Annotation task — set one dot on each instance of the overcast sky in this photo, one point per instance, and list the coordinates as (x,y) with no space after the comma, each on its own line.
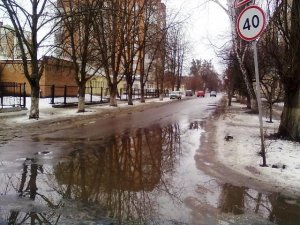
(206,23)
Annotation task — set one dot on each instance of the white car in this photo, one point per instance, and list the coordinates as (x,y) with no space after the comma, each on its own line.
(213,93)
(175,95)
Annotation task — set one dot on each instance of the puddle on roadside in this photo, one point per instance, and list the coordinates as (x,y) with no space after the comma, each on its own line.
(139,176)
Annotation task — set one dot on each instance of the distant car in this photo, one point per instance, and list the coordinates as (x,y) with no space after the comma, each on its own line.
(188,93)
(213,93)
(124,96)
(200,94)
(175,95)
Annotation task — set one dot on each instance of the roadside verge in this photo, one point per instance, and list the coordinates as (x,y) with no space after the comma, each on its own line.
(233,153)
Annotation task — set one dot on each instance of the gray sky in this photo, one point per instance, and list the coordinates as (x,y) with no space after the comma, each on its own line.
(207,23)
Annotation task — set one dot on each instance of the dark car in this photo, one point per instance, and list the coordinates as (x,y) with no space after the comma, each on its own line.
(188,93)
(200,94)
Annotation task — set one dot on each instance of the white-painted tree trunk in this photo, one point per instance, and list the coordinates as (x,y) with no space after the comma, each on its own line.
(34,108)
(113,100)
(81,104)
(81,98)
(34,112)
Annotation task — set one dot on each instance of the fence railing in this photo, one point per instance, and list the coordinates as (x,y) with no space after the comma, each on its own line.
(68,94)
(136,94)
(12,94)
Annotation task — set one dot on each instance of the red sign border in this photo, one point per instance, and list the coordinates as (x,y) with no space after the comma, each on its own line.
(239,4)
(238,22)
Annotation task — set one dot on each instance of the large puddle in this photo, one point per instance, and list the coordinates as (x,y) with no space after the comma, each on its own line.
(138,176)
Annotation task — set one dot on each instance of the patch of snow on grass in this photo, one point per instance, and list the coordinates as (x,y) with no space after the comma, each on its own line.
(242,152)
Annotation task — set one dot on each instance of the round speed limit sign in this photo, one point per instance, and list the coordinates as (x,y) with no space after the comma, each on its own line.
(251,23)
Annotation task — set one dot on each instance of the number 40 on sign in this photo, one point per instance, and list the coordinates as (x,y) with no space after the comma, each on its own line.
(251,23)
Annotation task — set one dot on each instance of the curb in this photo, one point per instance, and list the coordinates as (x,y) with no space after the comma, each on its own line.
(5,115)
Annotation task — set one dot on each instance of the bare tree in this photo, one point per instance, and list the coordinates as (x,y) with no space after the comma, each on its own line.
(32,17)
(203,76)
(151,42)
(196,81)
(175,55)
(240,49)
(233,79)
(287,20)
(272,87)
(210,76)
(77,42)
(109,28)
(133,16)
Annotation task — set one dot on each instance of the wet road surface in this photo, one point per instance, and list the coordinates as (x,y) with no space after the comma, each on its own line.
(137,168)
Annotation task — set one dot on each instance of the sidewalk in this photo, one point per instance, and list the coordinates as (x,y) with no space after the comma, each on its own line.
(47,112)
(240,152)
(10,114)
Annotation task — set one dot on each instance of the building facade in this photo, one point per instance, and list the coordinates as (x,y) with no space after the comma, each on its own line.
(9,47)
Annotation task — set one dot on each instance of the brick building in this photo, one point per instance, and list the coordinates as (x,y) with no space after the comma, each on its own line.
(56,72)
(9,48)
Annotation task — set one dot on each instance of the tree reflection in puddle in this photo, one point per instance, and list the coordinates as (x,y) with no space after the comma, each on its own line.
(120,178)
(272,206)
(125,175)
(126,178)
(28,206)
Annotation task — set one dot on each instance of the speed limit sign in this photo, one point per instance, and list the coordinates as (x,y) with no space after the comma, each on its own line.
(251,23)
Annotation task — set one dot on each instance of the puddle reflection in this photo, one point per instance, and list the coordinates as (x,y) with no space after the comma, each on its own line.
(126,178)
(232,199)
(196,125)
(272,206)
(122,177)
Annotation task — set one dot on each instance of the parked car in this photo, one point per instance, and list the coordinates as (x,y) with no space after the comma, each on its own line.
(124,96)
(213,93)
(175,95)
(188,93)
(200,94)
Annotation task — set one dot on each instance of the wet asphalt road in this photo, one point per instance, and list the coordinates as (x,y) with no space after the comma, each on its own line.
(133,168)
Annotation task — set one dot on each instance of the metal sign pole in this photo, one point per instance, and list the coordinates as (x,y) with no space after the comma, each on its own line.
(263,152)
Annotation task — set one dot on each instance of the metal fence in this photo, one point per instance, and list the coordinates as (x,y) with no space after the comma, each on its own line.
(68,94)
(12,94)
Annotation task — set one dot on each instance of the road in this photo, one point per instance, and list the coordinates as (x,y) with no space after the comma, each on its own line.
(138,167)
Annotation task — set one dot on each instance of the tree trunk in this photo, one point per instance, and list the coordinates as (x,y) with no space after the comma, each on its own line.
(143,94)
(271,112)
(253,104)
(113,94)
(229,97)
(290,117)
(252,101)
(129,95)
(161,92)
(32,187)
(34,108)
(81,98)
